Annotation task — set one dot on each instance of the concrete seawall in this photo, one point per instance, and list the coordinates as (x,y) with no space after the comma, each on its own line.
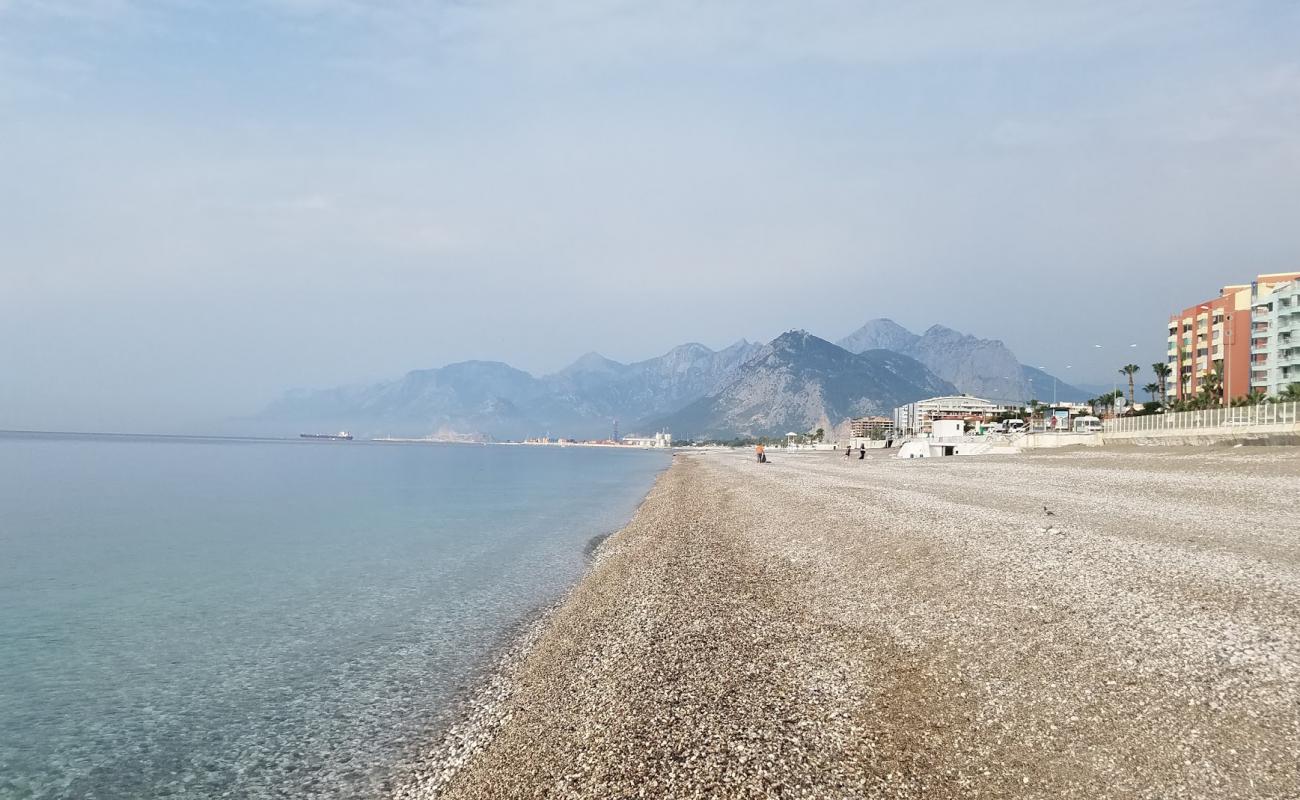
(1206,439)
(1277,423)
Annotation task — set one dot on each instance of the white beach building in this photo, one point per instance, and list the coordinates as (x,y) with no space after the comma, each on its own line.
(660,439)
(916,419)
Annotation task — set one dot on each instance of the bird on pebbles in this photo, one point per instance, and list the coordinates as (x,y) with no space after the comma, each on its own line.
(1050,528)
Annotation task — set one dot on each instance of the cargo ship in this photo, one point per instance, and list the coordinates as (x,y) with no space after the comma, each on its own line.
(341,436)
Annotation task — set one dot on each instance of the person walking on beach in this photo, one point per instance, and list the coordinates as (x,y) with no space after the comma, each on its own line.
(862,451)
(762,456)
(848,450)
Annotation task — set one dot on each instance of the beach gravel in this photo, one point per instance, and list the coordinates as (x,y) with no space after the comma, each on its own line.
(1091,624)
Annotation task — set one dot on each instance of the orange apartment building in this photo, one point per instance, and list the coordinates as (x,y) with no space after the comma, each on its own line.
(1232,332)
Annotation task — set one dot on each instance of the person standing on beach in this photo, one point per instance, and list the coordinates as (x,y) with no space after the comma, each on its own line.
(758,451)
(862,451)
(848,450)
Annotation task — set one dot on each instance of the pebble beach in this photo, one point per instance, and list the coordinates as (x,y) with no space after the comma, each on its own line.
(1090,623)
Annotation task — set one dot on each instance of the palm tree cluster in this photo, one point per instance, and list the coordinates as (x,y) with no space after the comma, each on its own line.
(1105,401)
(1209,392)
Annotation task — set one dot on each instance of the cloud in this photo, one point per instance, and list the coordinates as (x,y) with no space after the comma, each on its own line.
(69,10)
(845,31)
(310,177)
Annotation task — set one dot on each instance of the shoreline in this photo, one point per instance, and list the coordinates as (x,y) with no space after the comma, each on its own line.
(475,715)
(825,628)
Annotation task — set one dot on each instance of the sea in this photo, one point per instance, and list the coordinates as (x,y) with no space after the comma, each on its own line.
(187,617)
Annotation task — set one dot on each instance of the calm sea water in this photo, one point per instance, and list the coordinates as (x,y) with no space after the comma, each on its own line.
(268,619)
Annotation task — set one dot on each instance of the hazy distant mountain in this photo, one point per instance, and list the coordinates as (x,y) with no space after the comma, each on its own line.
(981,367)
(1041,387)
(879,334)
(632,392)
(800,382)
(1090,390)
(797,382)
(492,398)
(469,397)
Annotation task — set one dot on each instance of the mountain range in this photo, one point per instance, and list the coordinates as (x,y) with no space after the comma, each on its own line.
(982,367)
(797,382)
(800,382)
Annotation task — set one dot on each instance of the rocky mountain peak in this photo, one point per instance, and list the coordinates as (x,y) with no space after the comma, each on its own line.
(879,334)
(799,382)
(592,362)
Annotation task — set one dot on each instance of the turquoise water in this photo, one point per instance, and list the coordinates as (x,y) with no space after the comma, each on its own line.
(268,619)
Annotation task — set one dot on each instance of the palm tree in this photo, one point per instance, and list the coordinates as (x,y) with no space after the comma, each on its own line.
(1162,370)
(1211,394)
(1033,410)
(1248,399)
(1152,389)
(1130,370)
(1290,394)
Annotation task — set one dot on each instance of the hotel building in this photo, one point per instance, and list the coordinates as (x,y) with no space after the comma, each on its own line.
(917,418)
(1233,332)
(1275,363)
(865,427)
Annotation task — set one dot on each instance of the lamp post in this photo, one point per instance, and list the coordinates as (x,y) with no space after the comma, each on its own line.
(1113,388)
(1056,428)
(1227,351)
(1114,382)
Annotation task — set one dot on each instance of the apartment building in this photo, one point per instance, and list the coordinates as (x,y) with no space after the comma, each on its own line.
(1232,332)
(869,427)
(1275,350)
(917,418)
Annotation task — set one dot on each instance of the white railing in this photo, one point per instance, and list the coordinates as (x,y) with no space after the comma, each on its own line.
(1238,420)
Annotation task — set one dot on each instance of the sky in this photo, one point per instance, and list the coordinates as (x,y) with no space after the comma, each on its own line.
(204,203)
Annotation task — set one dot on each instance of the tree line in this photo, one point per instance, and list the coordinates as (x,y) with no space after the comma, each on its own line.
(1209,392)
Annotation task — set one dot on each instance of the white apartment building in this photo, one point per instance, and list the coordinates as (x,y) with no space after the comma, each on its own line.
(1275,348)
(1236,333)
(865,427)
(660,439)
(917,418)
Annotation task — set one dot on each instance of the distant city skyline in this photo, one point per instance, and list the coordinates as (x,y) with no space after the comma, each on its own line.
(211,203)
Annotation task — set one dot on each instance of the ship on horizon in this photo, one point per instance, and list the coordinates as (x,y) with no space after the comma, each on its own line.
(341,436)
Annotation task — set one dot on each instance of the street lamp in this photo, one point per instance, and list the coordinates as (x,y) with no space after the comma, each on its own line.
(1044,369)
(1114,387)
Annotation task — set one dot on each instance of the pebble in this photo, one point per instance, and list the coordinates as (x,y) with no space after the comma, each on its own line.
(884,628)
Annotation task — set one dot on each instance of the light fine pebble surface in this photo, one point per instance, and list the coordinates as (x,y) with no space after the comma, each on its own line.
(1108,623)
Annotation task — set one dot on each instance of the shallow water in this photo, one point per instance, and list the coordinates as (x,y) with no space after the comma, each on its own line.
(268,619)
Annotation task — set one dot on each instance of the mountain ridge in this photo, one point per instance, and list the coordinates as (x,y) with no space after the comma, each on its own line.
(796,381)
(800,382)
(982,367)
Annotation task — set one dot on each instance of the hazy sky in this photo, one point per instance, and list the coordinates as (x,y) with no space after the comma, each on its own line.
(205,202)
